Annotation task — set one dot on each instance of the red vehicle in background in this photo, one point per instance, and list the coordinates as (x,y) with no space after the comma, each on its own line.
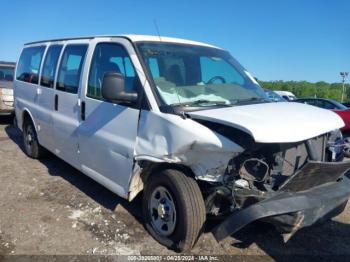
(345,115)
(340,109)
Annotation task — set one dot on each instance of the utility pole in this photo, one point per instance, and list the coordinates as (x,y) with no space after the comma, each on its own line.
(343,76)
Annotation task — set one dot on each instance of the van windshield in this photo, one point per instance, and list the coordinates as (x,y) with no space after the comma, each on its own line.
(196,76)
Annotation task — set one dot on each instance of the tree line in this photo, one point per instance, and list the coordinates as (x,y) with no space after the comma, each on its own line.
(307,89)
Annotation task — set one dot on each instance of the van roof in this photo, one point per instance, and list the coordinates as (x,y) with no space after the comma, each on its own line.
(133,38)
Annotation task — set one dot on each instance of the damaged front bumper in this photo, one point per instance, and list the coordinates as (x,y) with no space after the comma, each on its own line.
(317,192)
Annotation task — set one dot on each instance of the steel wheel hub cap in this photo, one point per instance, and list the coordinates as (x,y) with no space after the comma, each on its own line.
(162,211)
(29,137)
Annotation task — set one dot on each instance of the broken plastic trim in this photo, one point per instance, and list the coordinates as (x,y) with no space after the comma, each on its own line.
(308,206)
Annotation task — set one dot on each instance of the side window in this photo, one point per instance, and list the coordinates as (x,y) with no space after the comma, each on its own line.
(109,57)
(70,68)
(50,65)
(327,105)
(216,67)
(310,102)
(29,64)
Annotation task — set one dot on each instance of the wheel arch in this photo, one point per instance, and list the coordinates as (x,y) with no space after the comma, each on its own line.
(145,169)
(26,115)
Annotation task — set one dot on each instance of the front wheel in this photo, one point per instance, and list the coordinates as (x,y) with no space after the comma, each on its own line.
(174,209)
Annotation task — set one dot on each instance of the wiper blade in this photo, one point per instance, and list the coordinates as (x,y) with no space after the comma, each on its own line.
(252,99)
(200,102)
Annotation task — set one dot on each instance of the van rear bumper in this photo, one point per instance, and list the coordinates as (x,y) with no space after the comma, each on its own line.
(290,211)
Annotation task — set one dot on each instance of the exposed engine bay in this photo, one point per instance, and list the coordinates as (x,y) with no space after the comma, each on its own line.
(251,169)
(265,171)
(289,185)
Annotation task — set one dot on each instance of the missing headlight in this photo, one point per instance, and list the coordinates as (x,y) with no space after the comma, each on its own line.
(335,146)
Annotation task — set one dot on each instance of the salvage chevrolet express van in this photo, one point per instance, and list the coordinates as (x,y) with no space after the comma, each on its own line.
(184,123)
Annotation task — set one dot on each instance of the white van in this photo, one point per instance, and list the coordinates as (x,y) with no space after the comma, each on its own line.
(289,96)
(184,123)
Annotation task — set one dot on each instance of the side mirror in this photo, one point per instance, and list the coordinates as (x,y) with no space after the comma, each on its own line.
(113,89)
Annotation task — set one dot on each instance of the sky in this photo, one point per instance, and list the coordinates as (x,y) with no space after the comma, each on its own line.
(273,39)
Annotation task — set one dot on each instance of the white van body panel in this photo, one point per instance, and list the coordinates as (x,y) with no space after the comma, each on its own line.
(282,122)
(26,99)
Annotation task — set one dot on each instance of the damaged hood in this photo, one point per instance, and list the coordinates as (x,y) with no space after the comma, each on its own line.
(283,122)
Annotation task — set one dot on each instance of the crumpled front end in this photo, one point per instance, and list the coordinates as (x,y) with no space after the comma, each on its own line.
(317,192)
(289,184)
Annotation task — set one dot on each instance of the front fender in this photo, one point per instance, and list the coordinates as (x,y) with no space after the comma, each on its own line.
(172,139)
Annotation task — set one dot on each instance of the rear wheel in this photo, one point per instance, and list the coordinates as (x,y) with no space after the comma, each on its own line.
(31,144)
(174,209)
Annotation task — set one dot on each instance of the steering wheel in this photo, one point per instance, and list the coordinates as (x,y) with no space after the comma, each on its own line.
(213,79)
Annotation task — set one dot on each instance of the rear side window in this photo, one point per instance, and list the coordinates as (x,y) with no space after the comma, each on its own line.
(50,65)
(110,57)
(29,64)
(70,68)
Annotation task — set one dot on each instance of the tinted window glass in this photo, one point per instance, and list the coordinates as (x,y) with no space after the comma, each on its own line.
(325,104)
(334,105)
(29,64)
(110,58)
(70,68)
(6,73)
(50,65)
(309,102)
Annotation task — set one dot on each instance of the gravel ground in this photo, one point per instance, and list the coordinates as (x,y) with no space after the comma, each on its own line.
(48,207)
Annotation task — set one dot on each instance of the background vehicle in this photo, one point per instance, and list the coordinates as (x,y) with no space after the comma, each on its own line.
(273,96)
(335,106)
(346,104)
(343,147)
(287,95)
(186,124)
(6,88)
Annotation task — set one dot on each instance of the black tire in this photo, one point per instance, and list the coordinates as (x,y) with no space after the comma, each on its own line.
(189,205)
(31,143)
